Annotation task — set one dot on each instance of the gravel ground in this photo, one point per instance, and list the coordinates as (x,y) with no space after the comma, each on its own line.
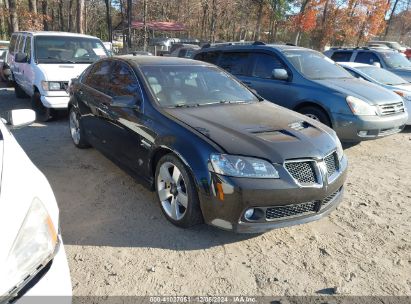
(118,242)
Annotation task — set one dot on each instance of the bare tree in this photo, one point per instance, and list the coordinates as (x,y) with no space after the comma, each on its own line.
(145,25)
(129,20)
(61,16)
(108,19)
(259,19)
(45,9)
(80,16)
(390,18)
(14,20)
(71,17)
(33,6)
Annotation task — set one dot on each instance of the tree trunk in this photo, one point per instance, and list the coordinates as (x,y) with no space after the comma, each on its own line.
(257,32)
(80,16)
(129,20)
(213,23)
(390,18)
(145,25)
(33,6)
(61,18)
(297,35)
(45,9)
(71,17)
(14,21)
(108,20)
(2,22)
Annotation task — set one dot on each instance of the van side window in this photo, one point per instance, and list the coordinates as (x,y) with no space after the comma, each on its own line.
(265,64)
(27,48)
(367,58)
(341,56)
(236,63)
(210,57)
(20,43)
(13,43)
(99,77)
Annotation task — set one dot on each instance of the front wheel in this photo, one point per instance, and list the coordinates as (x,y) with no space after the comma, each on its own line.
(43,113)
(316,114)
(76,131)
(177,193)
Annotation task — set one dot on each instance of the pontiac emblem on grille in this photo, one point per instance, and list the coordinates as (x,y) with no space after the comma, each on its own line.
(324,173)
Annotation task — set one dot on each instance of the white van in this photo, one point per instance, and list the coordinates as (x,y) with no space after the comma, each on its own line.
(43,63)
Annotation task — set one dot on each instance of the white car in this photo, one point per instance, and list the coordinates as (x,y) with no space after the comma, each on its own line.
(33,261)
(384,78)
(43,63)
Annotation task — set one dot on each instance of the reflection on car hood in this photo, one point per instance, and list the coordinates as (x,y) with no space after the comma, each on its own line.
(260,129)
(372,93)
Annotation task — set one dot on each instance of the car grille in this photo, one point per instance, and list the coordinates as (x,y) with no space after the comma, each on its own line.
(391,108)
(331,161)
(303,171)
(302,209)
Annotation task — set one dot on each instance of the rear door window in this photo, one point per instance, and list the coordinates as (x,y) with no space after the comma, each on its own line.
(367,58)
(210,57)
(99,77)
(265,64)
(236,63)
(13,43)
(341,56)
(123,82)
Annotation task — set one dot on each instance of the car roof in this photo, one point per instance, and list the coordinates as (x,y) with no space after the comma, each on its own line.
(55,33)
(362,49)
(160,60)
(251,46)
(353,64)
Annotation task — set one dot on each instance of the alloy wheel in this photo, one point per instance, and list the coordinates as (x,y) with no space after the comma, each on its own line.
(172,191)
(74,127)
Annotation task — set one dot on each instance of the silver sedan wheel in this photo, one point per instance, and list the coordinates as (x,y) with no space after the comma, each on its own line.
(312,116)
(172,191)
(74,127)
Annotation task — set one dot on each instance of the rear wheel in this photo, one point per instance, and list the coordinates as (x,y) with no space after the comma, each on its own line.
(43,113)
(177,193)
(316,113)
(76,131)
(18,91)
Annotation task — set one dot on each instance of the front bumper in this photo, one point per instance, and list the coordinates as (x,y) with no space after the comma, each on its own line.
(52,283)
(226,210)
(55,102)
(351,128)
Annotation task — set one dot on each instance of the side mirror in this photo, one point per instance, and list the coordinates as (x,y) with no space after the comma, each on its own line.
(20,58)
(128,101)
(280,74)
(20,118)
(376,64)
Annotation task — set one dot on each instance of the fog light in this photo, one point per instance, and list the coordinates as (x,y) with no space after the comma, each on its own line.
(362,133)
(249,214)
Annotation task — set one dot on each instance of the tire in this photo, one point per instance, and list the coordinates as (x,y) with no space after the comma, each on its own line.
(76,130)
(18,91)
(177,186)
(43,113)
(316,113)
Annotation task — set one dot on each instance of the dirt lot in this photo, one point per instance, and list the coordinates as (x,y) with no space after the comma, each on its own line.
(118,242)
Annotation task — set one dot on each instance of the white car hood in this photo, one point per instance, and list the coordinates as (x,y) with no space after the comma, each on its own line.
(61,71)
(403,87)
(21,181)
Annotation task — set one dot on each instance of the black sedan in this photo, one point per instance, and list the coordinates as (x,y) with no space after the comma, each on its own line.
(212,150)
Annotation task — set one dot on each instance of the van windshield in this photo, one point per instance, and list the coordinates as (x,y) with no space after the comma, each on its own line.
(396,60)
(65,49)
(315,65)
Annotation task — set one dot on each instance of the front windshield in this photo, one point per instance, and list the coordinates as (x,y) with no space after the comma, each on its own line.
(396,60)
(188,85)
(314,65)
(382,76)
(66,49)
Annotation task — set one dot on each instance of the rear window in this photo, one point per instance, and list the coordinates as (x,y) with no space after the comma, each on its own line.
(341,56)
(236,63)
(13,44)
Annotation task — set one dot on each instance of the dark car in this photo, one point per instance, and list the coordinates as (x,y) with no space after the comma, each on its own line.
(308,82)
(211,149)
(390,60)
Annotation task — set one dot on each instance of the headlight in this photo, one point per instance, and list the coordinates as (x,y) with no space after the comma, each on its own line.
(359,106)
(240,166)
(404,95)
(34,245)
(51,85)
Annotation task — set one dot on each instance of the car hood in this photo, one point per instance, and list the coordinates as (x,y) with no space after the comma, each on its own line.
(372,93)
(259,129)
(61,71)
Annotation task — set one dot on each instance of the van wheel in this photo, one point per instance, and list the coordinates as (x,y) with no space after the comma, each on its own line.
(19,91)
(43,113)
(317,114)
